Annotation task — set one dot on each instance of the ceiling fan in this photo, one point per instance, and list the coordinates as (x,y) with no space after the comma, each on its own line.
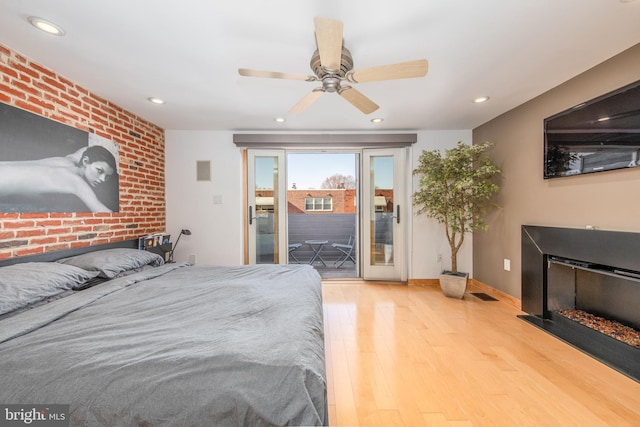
(333,67)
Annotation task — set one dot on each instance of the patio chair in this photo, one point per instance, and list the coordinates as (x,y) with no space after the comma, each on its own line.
(347,252)
(292,248)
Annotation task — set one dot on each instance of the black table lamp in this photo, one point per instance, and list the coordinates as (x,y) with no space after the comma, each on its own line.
(183,231)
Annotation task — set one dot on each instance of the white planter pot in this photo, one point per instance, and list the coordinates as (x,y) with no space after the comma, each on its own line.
(453,286)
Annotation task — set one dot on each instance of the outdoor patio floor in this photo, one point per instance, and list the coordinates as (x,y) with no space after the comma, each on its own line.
(346,271)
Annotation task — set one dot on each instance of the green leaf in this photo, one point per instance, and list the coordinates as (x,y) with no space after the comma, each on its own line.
(457,189)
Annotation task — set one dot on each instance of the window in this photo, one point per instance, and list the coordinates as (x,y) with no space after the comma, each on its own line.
(318,204)
(380,204)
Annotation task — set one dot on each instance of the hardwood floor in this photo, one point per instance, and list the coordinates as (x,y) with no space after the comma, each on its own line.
(402,355)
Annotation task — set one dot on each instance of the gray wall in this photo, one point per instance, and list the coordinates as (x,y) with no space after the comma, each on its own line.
(606,200)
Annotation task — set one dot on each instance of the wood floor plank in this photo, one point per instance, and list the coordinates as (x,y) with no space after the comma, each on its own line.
(345,405)
(435,419)
(408,356)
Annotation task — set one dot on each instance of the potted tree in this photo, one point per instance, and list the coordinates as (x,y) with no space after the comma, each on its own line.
(456,189)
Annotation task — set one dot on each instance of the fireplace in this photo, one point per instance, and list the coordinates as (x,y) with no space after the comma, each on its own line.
(572,274)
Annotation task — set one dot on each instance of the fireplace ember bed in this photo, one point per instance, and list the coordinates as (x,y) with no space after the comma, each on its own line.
(583,287)
(617,330)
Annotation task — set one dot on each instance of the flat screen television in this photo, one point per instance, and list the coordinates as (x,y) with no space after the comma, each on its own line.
(598,135)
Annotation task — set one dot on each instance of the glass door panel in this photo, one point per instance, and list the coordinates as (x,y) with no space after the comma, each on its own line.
(266,200)
(383,196)
(381,237)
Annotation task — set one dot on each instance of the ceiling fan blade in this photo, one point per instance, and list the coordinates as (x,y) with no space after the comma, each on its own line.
(274,74)
(304,103)
(403,70)
(358,100)
(329,41)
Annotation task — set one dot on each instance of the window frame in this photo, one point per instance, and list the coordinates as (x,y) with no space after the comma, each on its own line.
(322,203)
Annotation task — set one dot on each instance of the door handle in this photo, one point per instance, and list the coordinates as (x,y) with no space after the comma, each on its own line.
(251,217)
(397,215)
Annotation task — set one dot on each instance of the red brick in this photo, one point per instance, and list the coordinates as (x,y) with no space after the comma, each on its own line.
(29,107)
(54,83)
(55,248)
(43,241)
(71,98)
(10,91)
(33,215)
(27,89)
(50,223)
(80,244)
(60,215)
(67,238)
(25,70)
(6,235)
(18,224)
(31,232)
(8,72)
(41,103)
(42,70)
(59,230)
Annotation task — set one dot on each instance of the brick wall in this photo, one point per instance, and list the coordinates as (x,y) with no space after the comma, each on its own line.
(32,87)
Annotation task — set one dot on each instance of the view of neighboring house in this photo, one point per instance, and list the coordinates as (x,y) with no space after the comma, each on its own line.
(325,201)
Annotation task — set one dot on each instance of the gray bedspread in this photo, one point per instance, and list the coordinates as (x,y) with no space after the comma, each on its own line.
(178,346)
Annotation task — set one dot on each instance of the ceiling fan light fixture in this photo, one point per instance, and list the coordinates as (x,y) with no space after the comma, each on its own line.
(332,65)
(480,99)
(46,26)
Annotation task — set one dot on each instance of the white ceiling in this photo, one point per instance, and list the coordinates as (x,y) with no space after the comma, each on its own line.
(188,53)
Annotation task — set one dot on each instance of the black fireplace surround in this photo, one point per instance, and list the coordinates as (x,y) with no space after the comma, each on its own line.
(591,270)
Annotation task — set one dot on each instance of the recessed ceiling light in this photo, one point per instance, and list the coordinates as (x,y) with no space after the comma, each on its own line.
(481,99)
(46,26)
(377,120)
(154,100)
(280,120)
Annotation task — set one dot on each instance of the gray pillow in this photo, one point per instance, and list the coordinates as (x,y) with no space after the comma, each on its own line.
(110,263)
(30,282)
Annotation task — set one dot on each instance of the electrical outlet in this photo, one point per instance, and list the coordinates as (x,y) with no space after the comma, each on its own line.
(507,264)
(439,258)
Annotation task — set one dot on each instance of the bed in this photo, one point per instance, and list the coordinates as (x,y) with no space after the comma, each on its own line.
(168,344)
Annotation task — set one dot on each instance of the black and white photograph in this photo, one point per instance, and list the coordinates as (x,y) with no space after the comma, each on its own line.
(46,166)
